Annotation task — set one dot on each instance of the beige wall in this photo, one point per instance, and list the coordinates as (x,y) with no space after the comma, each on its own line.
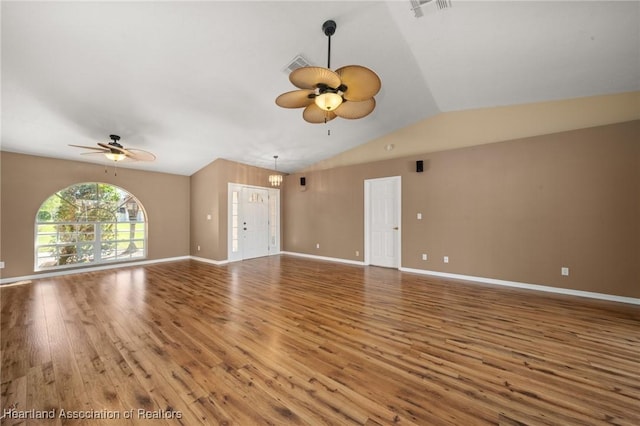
(209,192)
(516,210)
(27,181)
(459,129)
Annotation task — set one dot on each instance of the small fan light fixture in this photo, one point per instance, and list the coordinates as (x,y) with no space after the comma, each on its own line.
(275,179)
(328,101)
(114,153)
(115,156)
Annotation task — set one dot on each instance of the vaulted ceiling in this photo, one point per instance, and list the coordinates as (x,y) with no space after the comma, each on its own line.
(196,81)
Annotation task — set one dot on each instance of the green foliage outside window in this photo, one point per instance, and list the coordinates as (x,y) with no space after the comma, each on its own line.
(89,223)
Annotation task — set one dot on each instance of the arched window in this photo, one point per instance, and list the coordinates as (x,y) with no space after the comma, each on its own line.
(89,223)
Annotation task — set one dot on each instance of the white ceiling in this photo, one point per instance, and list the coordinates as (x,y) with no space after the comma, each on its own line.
(196,81)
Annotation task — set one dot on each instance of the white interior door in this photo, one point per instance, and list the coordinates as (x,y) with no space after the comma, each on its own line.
(255,222)
(382,222)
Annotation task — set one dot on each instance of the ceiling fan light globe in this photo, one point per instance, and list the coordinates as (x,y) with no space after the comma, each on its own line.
(115,156)
(328,101)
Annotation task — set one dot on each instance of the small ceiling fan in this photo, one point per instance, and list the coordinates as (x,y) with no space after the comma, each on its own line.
(116,152)
(347,92)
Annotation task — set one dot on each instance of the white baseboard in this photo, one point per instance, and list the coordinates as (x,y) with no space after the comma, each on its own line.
(5,281)
(602,296)
(536,287)
(330,259)
(211,261)
(470,278)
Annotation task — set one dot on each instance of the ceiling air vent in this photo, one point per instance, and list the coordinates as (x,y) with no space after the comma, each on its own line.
(297,62)
(429,5)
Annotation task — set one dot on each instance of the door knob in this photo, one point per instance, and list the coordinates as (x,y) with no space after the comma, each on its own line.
(395,228)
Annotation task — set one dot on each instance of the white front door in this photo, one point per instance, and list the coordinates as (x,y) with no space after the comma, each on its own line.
(382,222)
(255,222)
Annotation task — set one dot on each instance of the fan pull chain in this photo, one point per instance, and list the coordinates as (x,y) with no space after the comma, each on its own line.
(325,122)
(115,168)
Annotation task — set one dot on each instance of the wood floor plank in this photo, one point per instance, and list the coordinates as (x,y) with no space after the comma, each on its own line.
(286,340)
(42,394)
(13,397)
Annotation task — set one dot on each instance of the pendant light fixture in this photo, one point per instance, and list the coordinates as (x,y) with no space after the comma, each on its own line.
(275,179)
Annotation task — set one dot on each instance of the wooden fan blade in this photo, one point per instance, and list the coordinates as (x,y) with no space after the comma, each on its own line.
(352,110)
(314,114)
(295,99)
(139,154)
(112,148)
(310,77)
(91,153)
(361,82)
(90,147)
(129,154)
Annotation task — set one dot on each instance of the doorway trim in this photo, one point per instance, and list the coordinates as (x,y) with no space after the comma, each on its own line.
(274,220)
(367,218)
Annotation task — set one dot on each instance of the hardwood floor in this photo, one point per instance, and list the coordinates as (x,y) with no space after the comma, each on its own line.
(286,340)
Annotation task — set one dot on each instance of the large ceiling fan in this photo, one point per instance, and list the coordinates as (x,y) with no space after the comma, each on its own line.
(325,94)
(116,152)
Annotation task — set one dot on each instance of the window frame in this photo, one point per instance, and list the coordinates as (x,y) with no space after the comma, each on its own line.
(96,232)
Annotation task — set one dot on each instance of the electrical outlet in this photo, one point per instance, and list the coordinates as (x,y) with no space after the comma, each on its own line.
(424,256)
(564,271)
(419,216)
(1,265)
(357,253)
(446,259)
(198,248)
(317,245)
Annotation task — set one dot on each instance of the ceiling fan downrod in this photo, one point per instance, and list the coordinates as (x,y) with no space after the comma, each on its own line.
(329,29)
(114,142)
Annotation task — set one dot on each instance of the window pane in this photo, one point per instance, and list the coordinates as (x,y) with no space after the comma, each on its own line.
(66,237)
(68,256)
(46,234)
(107,250)
(122,246)
(46,256)
(84,253)
(129,232)
(108,231)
